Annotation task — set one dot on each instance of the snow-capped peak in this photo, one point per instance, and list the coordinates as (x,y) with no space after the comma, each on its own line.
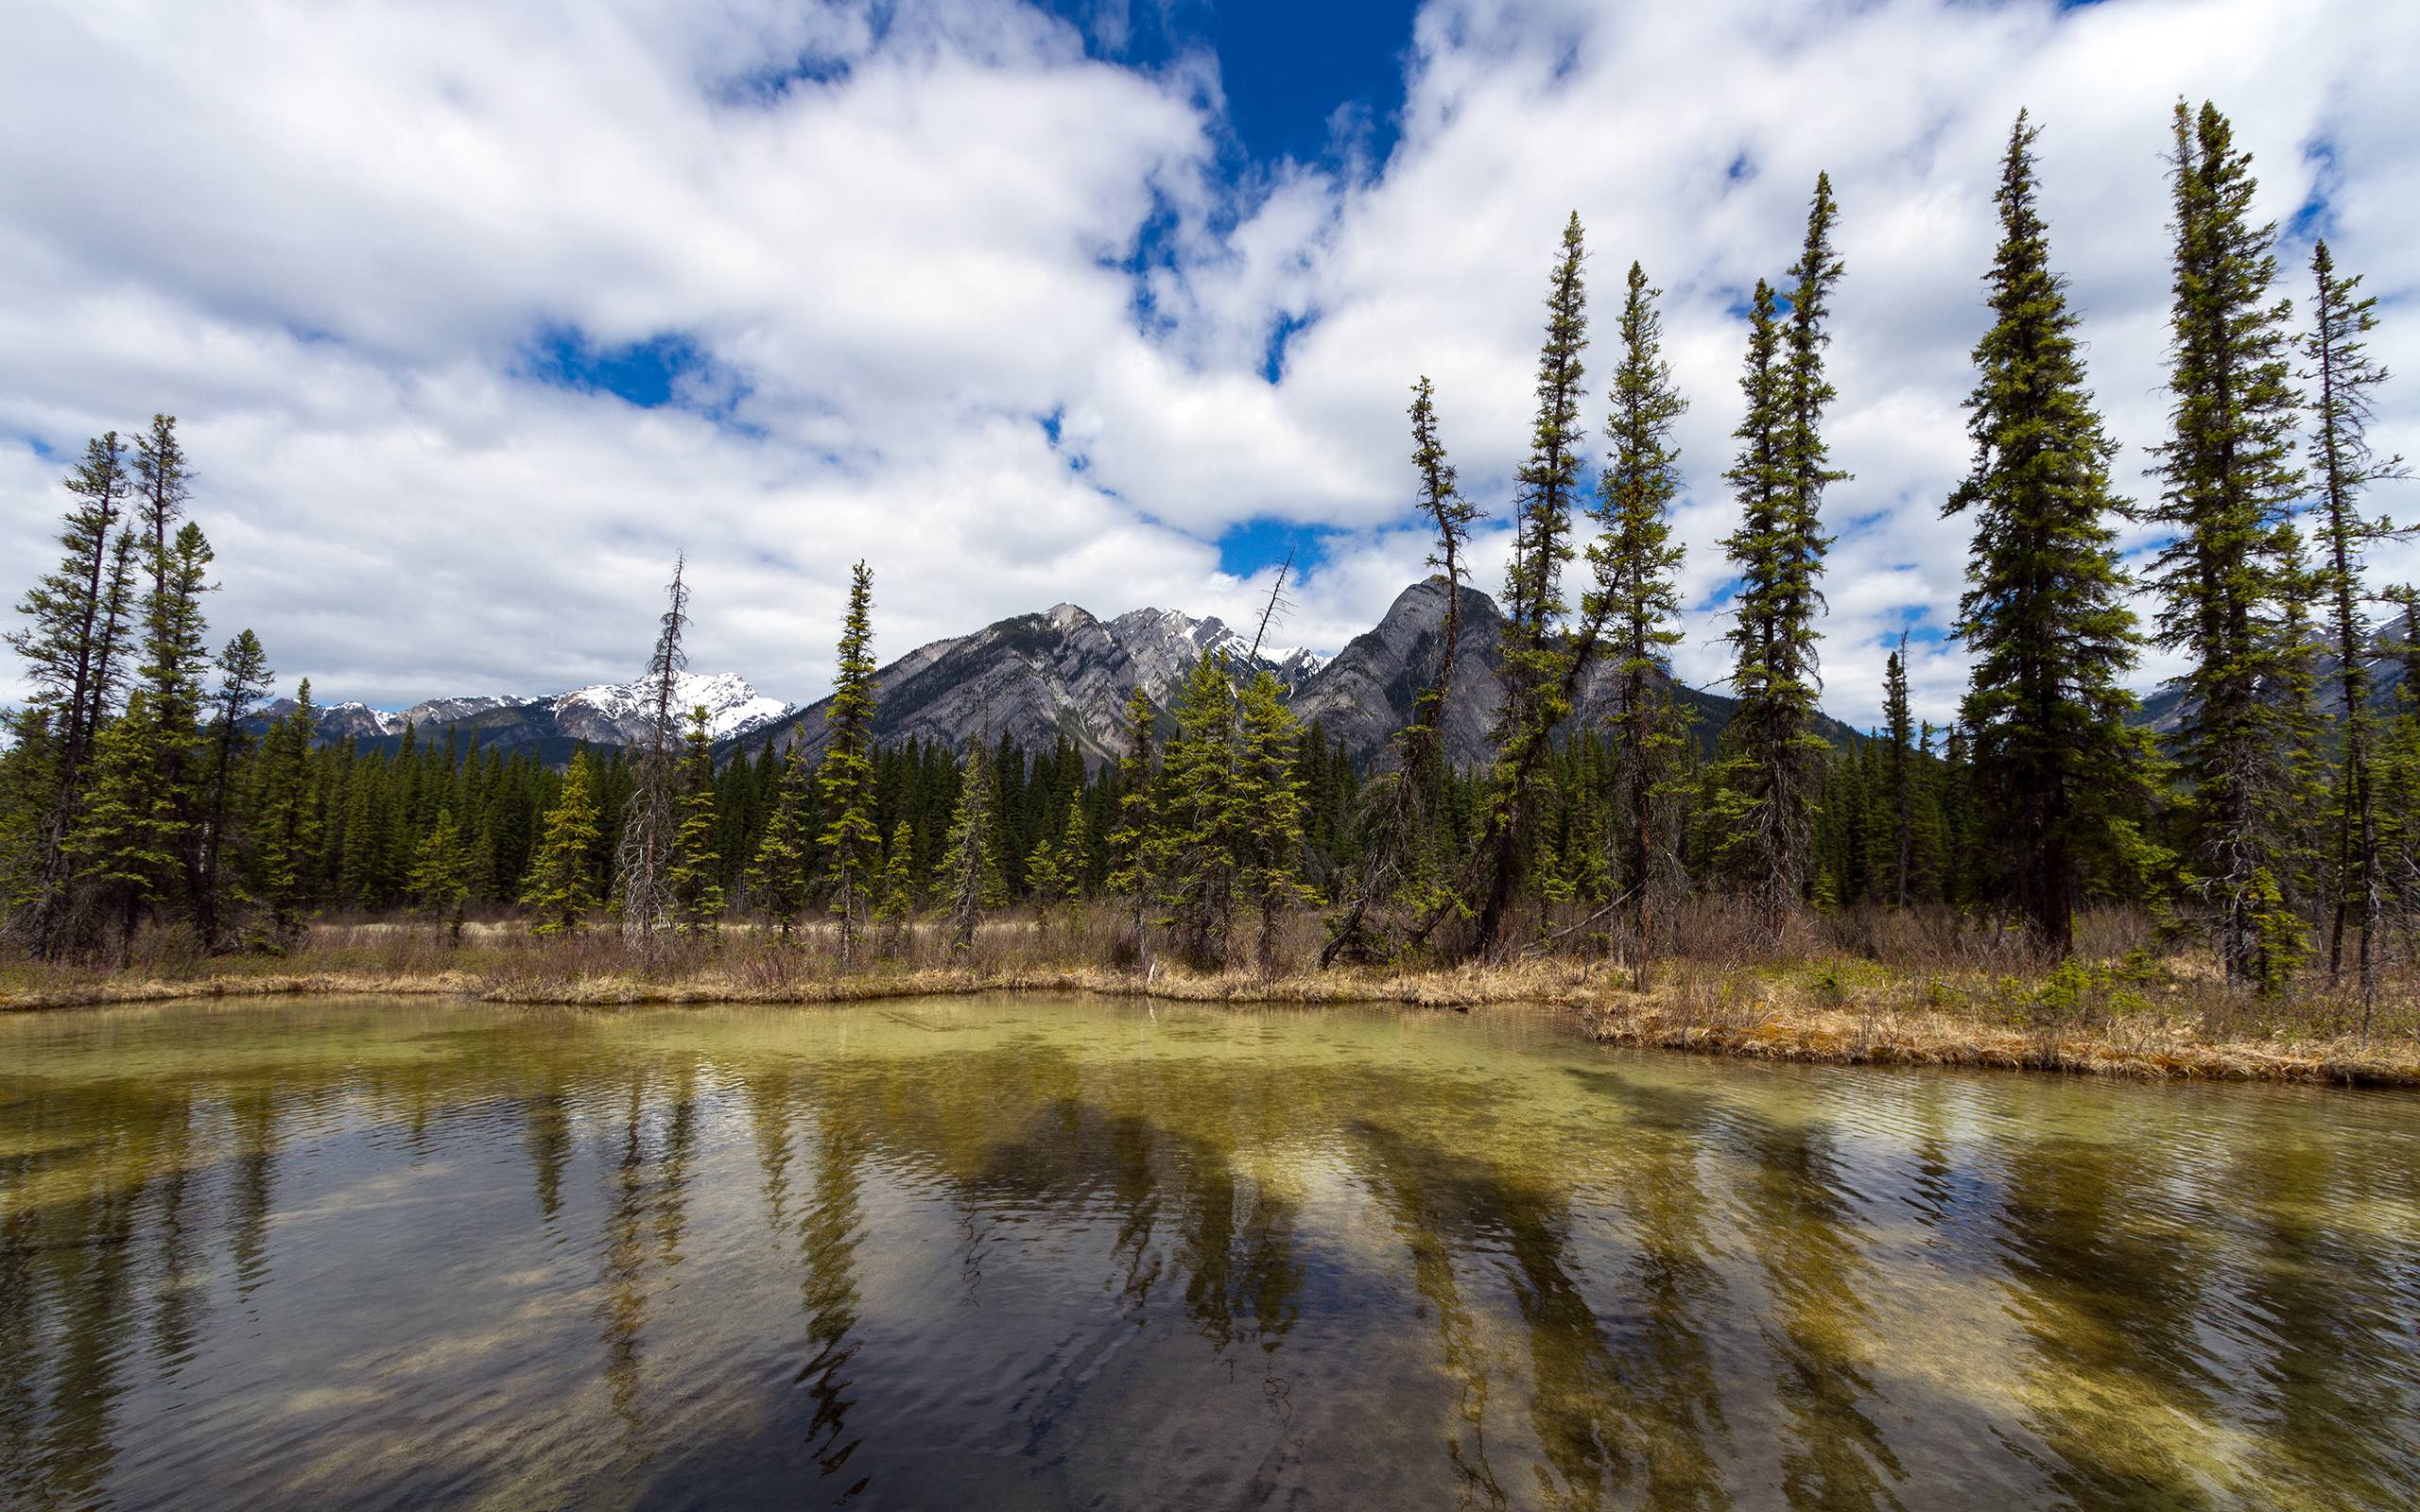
(732,706)
(464,706)
(354,714)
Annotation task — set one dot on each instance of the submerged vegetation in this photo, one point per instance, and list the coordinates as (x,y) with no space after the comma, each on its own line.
(2042,884)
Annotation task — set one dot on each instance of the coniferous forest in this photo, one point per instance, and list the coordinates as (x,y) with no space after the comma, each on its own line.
(2266,848)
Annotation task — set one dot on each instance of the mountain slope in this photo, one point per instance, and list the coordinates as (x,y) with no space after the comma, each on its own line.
(1038,677)
(604,714)
(1033,679)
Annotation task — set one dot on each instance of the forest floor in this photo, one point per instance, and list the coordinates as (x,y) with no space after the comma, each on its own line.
(2137,1016)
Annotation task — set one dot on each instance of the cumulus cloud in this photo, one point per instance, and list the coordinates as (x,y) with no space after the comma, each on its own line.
(940,284)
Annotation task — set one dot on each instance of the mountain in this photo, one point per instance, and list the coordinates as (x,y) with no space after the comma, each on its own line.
(604,714)
(2164,709)
(1035,677)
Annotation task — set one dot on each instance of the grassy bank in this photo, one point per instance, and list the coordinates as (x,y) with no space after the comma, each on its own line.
(2127,1012)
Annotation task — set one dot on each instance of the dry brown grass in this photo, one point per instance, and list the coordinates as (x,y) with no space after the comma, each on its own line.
(1884,988)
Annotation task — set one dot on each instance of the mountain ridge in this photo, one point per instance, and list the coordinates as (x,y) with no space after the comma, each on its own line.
(1062,672)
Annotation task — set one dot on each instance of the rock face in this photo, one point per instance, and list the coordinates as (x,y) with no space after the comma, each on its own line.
(1037,678)
(1065,673)
(1034,679)
(1365,695)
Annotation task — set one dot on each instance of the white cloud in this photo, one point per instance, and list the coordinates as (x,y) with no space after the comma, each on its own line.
(327,236)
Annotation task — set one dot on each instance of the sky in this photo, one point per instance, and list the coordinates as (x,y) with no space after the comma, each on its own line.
(474,313)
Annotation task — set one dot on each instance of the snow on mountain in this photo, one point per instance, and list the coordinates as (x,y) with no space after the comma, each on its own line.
(605,715)
(455,710)
(337,720)
(732,706)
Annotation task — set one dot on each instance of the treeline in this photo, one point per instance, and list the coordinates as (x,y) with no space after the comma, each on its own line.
(2285,812)
(2282,815)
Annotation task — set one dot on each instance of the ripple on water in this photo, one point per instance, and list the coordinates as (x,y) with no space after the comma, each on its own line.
(1048,1254)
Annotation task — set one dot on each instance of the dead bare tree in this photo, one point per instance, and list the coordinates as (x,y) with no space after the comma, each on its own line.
(643,864)
(1397,803)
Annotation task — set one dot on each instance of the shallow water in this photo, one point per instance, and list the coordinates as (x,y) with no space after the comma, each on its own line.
(1027,1253)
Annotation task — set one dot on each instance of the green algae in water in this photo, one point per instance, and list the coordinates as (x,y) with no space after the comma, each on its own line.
(1014,1252)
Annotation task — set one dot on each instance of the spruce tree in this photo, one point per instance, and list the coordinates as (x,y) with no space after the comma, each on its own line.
(1130,848)
(1047,877)
(285,828)
(65,608)
(1536,665)
(1638,599)
(896,907)
(777,875)
(441,880)
(176,656)
(1763,814)
(163,485)
(2053,752)
(852,845)
(123,841)
(1194,848)
(2345,378)
(1268,808)
(696,876)
(2227,481)
(243,680)
(1075,850)
(562,885)
(1900,775)
(974,872)
(72,616)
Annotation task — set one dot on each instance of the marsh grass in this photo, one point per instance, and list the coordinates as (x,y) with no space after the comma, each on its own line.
(1869,987)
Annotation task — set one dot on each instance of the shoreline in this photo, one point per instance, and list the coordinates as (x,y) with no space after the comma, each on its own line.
(1770,1026)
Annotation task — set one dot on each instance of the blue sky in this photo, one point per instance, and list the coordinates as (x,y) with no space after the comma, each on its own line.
(475,314)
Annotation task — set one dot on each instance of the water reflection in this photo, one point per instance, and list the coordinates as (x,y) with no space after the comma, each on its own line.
(378,1253)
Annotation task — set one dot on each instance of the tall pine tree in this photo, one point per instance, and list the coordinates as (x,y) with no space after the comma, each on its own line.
(852,844)
(1130,853)
(1397,859)
(1535,663)
(1638,599)
(2345,377)
(2228,480)
(1194,848)
(2053,754)
(1772,760)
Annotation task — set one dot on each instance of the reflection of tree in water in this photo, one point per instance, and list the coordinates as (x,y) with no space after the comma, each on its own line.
(545,1134)
(69,1272)
(1417,1207)
(180,1292)
(2108,1291)
(1236,1240)
(1135,1188)
(769,1114)
(256,1193)
(2318,1308)
(1675,1396)
(650,1199)
(1805,1235)
(829,1232)
(1622,1392)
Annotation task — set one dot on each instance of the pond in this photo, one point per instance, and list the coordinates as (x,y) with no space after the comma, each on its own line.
(1016,1252)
